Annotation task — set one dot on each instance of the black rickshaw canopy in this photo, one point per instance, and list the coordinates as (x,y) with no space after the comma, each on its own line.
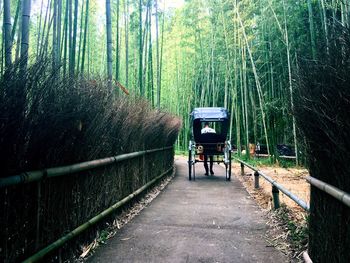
(210,114)
(214,144)
(214,114)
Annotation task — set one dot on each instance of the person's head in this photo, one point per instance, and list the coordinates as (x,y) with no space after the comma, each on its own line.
(206,124)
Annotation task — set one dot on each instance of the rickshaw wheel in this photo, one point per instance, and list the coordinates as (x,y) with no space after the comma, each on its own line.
(229,165)
(194,171)
(189,165)
(227,172)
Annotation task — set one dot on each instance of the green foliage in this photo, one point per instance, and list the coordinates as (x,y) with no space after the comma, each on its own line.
(298,231)
(212,53)
(286,163)
(103,236)
(256,162)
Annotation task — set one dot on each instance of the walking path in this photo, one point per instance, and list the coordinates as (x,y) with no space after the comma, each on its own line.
(207,220)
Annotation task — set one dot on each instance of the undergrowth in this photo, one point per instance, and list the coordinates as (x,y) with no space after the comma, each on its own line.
(297,231)
(49,120)
(263,161)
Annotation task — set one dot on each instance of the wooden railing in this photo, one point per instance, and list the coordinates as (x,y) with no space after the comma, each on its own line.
(85,170)
(276,187)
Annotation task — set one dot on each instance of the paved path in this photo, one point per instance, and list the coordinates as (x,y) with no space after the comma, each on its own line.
(207,220)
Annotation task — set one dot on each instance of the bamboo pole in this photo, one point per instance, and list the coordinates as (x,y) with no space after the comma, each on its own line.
(7,33)
(31,176)
(306,257)
(85,36)
(59,242)
(109,42)
(126,27)
(331,190)
(25,33)
(157,55)
(142,91)
(117,52)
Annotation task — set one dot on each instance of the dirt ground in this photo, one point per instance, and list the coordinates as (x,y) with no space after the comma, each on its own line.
(292,179)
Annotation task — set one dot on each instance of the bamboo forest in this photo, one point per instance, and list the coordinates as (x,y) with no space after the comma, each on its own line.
(85,84)
(241,55)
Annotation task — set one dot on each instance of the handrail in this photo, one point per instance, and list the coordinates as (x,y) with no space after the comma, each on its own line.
(276,187)
(306,257)
(37,175)
(331,190)
(59,242)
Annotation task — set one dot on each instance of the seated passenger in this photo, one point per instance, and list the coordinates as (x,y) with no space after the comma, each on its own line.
(207,129)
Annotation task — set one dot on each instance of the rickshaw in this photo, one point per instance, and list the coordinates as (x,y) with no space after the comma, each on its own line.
(210,144)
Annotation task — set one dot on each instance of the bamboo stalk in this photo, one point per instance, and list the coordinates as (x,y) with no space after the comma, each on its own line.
(7,33)
(25,33)
(109,42)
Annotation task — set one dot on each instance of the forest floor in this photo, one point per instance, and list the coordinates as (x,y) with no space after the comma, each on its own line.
(292,179)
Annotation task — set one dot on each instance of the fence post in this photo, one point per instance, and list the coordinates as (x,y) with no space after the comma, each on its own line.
(256,180)
(242,169)
(276,198)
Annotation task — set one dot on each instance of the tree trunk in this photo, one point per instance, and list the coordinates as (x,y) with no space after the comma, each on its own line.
(161,58)
(25,33)
(80,35)
(109,41)
(69,35)
(7,33)
(15,22)
(46,37)
(85,36)
(46,24)
(312,31)
(66,38)
(126,21)
(145,52)
(157,57)
(245,104)
(19,35)
(325,25)
(54,36)
(39,31)
(117,57)
(74,40)
(140,50)
(59,25)
(150,57)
